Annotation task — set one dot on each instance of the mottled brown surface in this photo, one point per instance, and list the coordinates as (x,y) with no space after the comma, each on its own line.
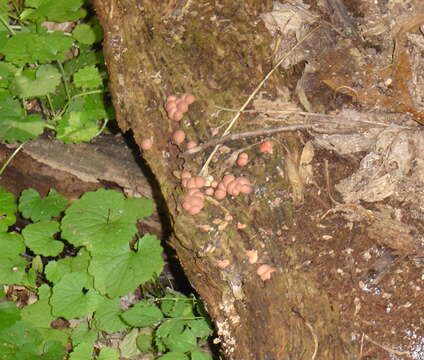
(219,51)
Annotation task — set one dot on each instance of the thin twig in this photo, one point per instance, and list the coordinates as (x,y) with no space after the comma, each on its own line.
(11,158)
(314,335)
(247,134)
(204,171)
(288,112)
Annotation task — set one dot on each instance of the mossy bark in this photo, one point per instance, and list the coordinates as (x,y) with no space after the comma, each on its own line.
(219,51)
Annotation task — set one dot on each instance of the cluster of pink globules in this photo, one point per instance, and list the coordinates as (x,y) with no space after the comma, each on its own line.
(194,200)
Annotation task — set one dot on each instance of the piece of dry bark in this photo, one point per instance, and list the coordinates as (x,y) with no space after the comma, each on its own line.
(73,169)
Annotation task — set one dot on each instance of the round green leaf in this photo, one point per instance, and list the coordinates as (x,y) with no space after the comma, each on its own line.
(71,299)
(142,314)
(84,34)
(39,238)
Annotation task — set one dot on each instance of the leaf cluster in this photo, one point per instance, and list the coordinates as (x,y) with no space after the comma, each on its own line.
(110,260)
(51,75)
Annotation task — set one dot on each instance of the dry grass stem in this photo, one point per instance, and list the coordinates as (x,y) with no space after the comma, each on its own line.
(204,170)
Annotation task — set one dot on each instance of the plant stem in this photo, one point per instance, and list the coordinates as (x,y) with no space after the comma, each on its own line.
(65,82)
(6,24)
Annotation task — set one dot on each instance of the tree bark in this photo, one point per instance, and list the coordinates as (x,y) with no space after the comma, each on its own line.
(219,51)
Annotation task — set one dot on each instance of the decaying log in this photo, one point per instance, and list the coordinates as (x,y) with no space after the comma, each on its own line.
(219,51)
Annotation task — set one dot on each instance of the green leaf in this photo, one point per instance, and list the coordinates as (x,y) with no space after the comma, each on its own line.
(177,306)
(37,209)
(30,48)
(108,353)
(88,78)
(83,351)
(4,13)
(20,341)
(7,73)
(71,299)
(39,316)
(15,125)
(47,78)
(199,355)
(76,127)
(128,345)
(92,106)
(79,62)
(142,314)
(82,334)
(103,219)
(168,329)
(201,327)
(12,266)
(39,238)
(108,318)
(84,34)
(145,342)
(9,314)
(52,349)
(39,313)
(185,341)
(8,209)
(173,355)
(54,10)
(119,270)
(55,270)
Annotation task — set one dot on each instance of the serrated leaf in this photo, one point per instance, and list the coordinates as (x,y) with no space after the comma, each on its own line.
(177,306)
(8,209)
(119,270)
(88,78)
(39,238)
(39,316)
(84,34)
(108,353)
(39,313)
(7,73)
(15,125)
(29,48)
(71,299)
(9,314)
(145,342)
(20,341)
(54,10)
(199,355)
(103,219)
(35,208)
(12,266)
(92,106)
(55,270)
(168,329)
(108,318)
(82,351)
(185,341)
(4,13)
(47,78)
(142,314)
(83,334)
(201,327)
(76,127)
(79,62)
(128,345)
(173,355)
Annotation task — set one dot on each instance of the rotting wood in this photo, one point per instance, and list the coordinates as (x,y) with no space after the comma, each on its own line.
(220,53)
